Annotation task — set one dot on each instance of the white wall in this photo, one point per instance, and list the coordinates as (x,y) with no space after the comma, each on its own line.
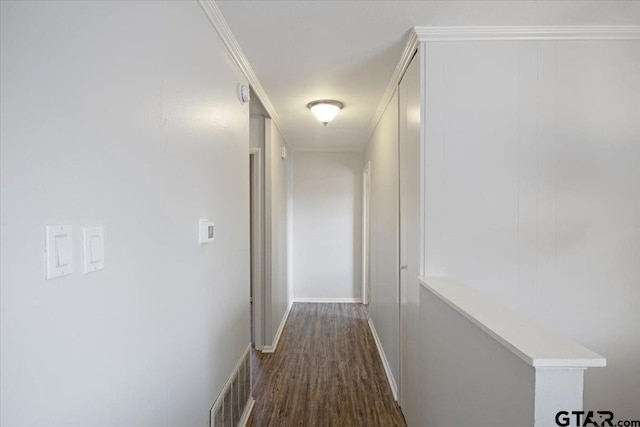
(382,153)
(533,190)
(327,225)
(467,378)
(256,122)
(277,200)
(121,114)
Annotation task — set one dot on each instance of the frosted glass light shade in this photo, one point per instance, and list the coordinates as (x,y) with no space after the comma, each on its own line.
(325,110)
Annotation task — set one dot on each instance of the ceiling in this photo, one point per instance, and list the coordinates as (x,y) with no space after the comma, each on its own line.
(347,50)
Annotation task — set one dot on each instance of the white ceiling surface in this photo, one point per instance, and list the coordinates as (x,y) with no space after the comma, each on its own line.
(347,50)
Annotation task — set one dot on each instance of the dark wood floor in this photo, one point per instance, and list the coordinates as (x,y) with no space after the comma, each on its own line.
(326,372)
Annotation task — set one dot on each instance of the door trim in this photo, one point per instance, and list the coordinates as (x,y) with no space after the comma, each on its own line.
(257,255)
(366,227)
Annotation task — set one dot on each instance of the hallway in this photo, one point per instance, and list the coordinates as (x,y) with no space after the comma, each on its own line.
(432,208)
(325,372)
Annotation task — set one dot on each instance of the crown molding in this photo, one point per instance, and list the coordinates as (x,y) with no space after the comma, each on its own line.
(214,14)
(433,34)
(327,150)
(584,32)
(407,54)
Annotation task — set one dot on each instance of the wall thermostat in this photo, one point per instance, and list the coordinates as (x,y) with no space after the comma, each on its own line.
(207,231)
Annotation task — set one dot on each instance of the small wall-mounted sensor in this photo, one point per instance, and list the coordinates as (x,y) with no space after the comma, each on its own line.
(207,231)
(244,95)
(283,153)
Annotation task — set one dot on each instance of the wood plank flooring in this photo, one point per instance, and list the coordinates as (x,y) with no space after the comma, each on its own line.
(326,372)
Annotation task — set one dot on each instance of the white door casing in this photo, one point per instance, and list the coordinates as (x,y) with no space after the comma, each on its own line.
(366,202)
(409,216)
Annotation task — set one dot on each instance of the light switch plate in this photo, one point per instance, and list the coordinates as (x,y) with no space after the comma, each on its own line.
(58,251)
(206,231)
(93,245)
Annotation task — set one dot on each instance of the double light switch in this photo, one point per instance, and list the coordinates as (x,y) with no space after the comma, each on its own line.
(59,250)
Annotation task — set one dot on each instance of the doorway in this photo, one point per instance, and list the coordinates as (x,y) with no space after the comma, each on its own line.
(256,248)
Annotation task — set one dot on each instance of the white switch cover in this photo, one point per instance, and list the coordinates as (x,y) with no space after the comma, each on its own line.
(58,251)
(93,253)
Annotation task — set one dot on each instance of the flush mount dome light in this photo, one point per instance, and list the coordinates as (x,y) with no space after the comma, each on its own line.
(325,110)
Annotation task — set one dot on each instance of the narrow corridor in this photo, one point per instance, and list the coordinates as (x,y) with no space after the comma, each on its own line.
(326,372)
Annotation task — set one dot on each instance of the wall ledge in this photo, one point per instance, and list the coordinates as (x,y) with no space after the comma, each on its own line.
(536,345)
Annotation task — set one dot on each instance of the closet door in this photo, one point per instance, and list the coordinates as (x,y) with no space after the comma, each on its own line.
(409,178)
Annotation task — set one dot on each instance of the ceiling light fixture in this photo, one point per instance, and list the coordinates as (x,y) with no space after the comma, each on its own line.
(325,110)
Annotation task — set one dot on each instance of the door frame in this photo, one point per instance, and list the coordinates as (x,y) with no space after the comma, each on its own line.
(366,227)
(410,230)
(257,247)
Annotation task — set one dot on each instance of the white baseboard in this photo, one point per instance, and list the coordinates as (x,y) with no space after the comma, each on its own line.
(272,348)
(247,412)
(385,362)
(330,300)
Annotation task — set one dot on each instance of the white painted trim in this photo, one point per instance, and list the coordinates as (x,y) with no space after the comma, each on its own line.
(582,32)
(409,49)
(268,237)
(329,300)
(423,158)
(290,252)
(258,259)
(434,34)
(366,230)
(244,419)
(328,149)
(385,362)
(272,348)
(535,345)
(216,18)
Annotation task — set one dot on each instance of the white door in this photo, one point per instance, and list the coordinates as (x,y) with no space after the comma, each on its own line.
(409,175)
